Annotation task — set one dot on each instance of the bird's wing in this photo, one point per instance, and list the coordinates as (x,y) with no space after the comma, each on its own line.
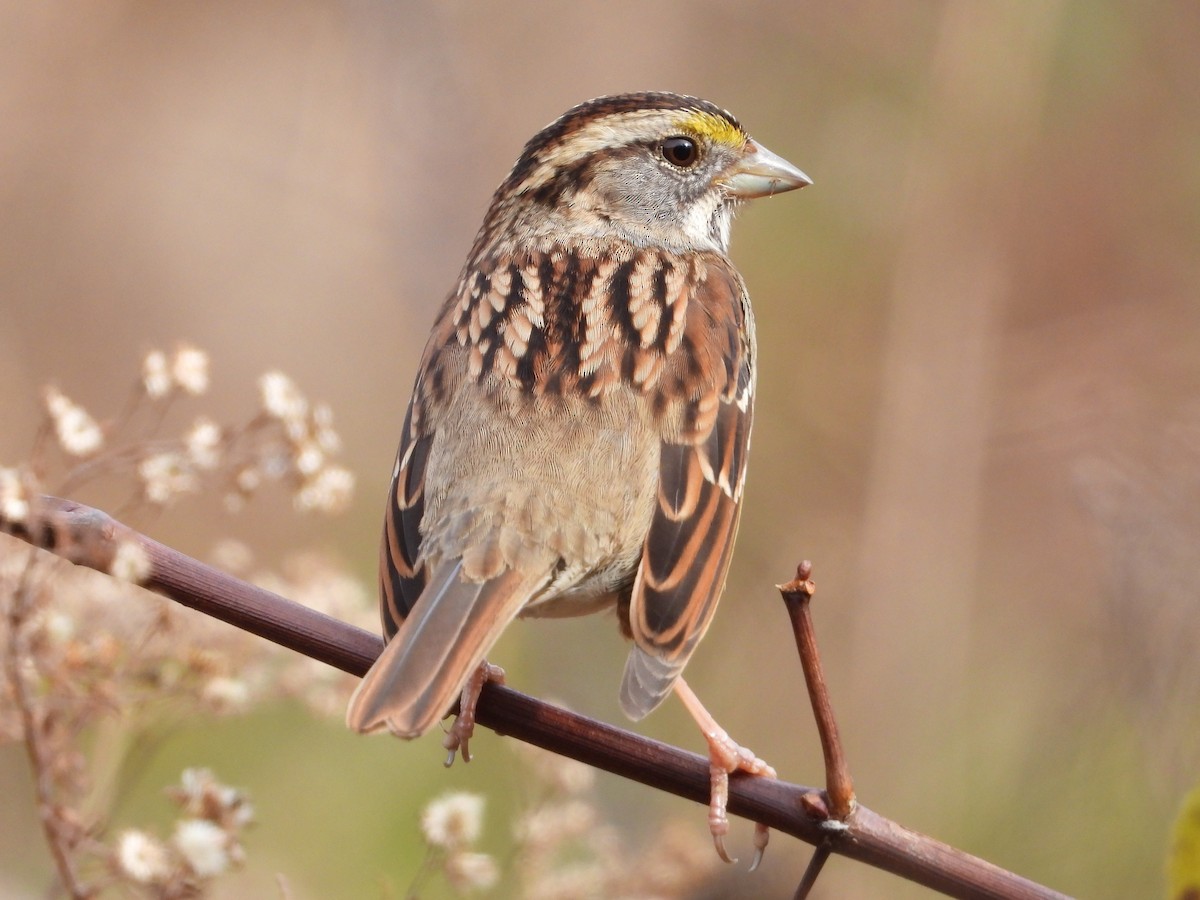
(702,468)
(402,576)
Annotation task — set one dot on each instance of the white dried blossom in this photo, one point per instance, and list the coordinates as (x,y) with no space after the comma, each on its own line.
(281,398)
(156,375)
(248,479)
(453,820)
(203,442)
(189,369)
(130,562)
(240,813)
(308,458)
(78,433)
(329,491)
(296,429)
(275,466)
(322,420)
(194,784)
(142,857)
(14,497)
(201,796)
(472,872)
(165,476)
(204,845)
(226,695)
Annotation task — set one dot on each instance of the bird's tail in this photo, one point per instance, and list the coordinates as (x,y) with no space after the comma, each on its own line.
(647,681)
(422,670)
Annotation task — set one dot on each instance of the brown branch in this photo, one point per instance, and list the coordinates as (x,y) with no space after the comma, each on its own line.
(33,730)
(89,537)
(797,596)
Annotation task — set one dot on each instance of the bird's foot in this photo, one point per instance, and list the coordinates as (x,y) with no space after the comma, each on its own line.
(725,756)
(458,736)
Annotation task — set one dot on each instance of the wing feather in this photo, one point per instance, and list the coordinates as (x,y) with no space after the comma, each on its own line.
(401,576)
(690,542)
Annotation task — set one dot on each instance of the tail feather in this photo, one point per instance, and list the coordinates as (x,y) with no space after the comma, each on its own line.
(423,668)
(647,681)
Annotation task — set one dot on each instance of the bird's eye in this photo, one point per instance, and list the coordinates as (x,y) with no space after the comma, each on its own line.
(680,151)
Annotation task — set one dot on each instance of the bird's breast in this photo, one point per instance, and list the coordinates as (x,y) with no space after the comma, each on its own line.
(520,481)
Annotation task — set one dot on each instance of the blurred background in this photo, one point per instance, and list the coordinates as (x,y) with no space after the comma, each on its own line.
(979,392)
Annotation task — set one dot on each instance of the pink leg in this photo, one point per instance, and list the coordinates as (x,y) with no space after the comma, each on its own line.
(725,757)
(459,735)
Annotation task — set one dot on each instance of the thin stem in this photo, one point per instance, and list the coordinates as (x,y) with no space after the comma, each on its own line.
(797,595)
(32,734)
(815,865)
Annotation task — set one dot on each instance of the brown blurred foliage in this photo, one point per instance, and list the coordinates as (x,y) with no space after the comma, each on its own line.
(980,360)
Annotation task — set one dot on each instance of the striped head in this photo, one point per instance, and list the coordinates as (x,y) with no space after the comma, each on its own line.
(652,169)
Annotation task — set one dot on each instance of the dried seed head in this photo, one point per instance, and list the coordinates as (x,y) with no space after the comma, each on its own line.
(453,820)
(156,375)
(130,562)
(204,845)
(78,433)
(189,369)
(142,857)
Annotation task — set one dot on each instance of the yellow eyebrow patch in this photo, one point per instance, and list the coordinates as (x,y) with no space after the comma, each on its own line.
(716,128)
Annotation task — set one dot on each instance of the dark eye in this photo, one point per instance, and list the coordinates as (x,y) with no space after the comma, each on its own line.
(680,151)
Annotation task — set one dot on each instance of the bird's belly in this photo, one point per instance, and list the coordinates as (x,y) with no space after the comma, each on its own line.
(570,488)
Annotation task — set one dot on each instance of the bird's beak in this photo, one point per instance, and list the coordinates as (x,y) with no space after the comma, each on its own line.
(760,173)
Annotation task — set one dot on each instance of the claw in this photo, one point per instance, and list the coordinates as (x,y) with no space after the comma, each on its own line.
(718,796)
(762,835)
(719,843)
(725,757)
(458,736)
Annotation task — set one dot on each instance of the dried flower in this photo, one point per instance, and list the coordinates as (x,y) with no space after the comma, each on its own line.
(78,433)
(329,491)
(471,872)
(322,421)
(248,480)
(203,442)
(200,795)
(281,399)
(453,820)
(156,377)
(225,695)
(142,857)
(309,458)
(189,368)
(204,845)
(14,497)
(130,562)
(165,476)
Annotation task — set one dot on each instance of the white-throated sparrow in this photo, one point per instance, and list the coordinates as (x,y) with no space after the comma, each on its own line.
(578,431)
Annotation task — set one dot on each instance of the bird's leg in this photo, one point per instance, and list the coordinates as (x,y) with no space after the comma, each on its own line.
(725,757)
(459,735)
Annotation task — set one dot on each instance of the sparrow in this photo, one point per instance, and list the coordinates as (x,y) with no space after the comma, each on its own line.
(579,427)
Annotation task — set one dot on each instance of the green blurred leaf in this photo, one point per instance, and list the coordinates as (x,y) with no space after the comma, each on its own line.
(1183,868)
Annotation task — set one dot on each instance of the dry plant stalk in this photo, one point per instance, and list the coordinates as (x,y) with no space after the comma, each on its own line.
(78,649)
